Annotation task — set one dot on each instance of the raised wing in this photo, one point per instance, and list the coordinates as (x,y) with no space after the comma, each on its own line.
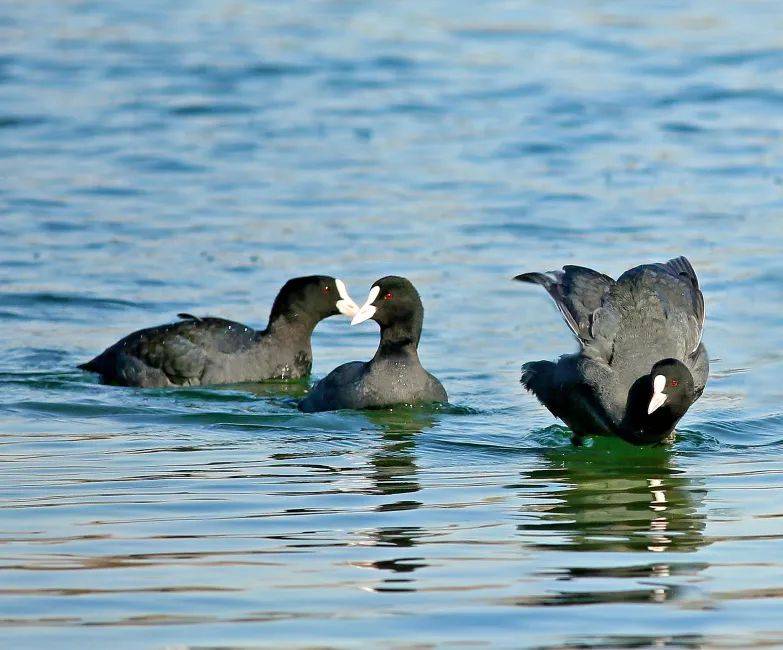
(579,294)
(681,268)
(661,308)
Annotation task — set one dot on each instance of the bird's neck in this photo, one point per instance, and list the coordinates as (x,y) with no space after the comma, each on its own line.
(284,346)
(291,328)
(400,339)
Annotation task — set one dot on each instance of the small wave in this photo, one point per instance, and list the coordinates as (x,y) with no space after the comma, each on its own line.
(20,121)
(715,94)
(66,299)
(746,433)
(198,110)
(742,57)
(160,163)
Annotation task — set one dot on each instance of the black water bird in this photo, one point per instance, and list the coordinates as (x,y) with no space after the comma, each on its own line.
(201,351)
(641,364)
(395,374)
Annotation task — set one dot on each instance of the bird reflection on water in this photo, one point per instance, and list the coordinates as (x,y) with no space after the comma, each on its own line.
(393,473)
(617,499)
(613,497)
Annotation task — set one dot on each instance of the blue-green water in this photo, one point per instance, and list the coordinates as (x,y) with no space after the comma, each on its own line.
(160,157)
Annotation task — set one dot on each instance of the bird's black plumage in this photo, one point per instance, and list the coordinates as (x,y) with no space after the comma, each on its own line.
(200,351)
(395,374)
(646,324)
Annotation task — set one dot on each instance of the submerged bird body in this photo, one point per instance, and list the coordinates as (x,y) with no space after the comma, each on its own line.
(641,363)
(201,351)
(395,374)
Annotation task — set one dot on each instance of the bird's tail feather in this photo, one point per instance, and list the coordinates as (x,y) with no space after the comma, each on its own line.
(91,366)
(537,378)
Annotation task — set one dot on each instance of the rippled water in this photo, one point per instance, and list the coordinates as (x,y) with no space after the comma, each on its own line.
(195,156)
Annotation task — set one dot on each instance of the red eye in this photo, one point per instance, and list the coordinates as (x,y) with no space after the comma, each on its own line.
(674,383)
(388,296)
(326,288)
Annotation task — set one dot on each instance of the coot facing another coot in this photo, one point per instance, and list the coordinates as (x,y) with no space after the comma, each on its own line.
(395,374)
(200,351)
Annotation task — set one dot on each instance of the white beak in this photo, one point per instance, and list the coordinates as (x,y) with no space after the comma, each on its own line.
(345,305)
(658,398)
(367,310)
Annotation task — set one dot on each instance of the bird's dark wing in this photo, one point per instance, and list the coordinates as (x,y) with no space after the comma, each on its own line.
(178,352)
(216,335)
(579,293)
(661,307)
(699,365)
(173,353)
(681,268)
